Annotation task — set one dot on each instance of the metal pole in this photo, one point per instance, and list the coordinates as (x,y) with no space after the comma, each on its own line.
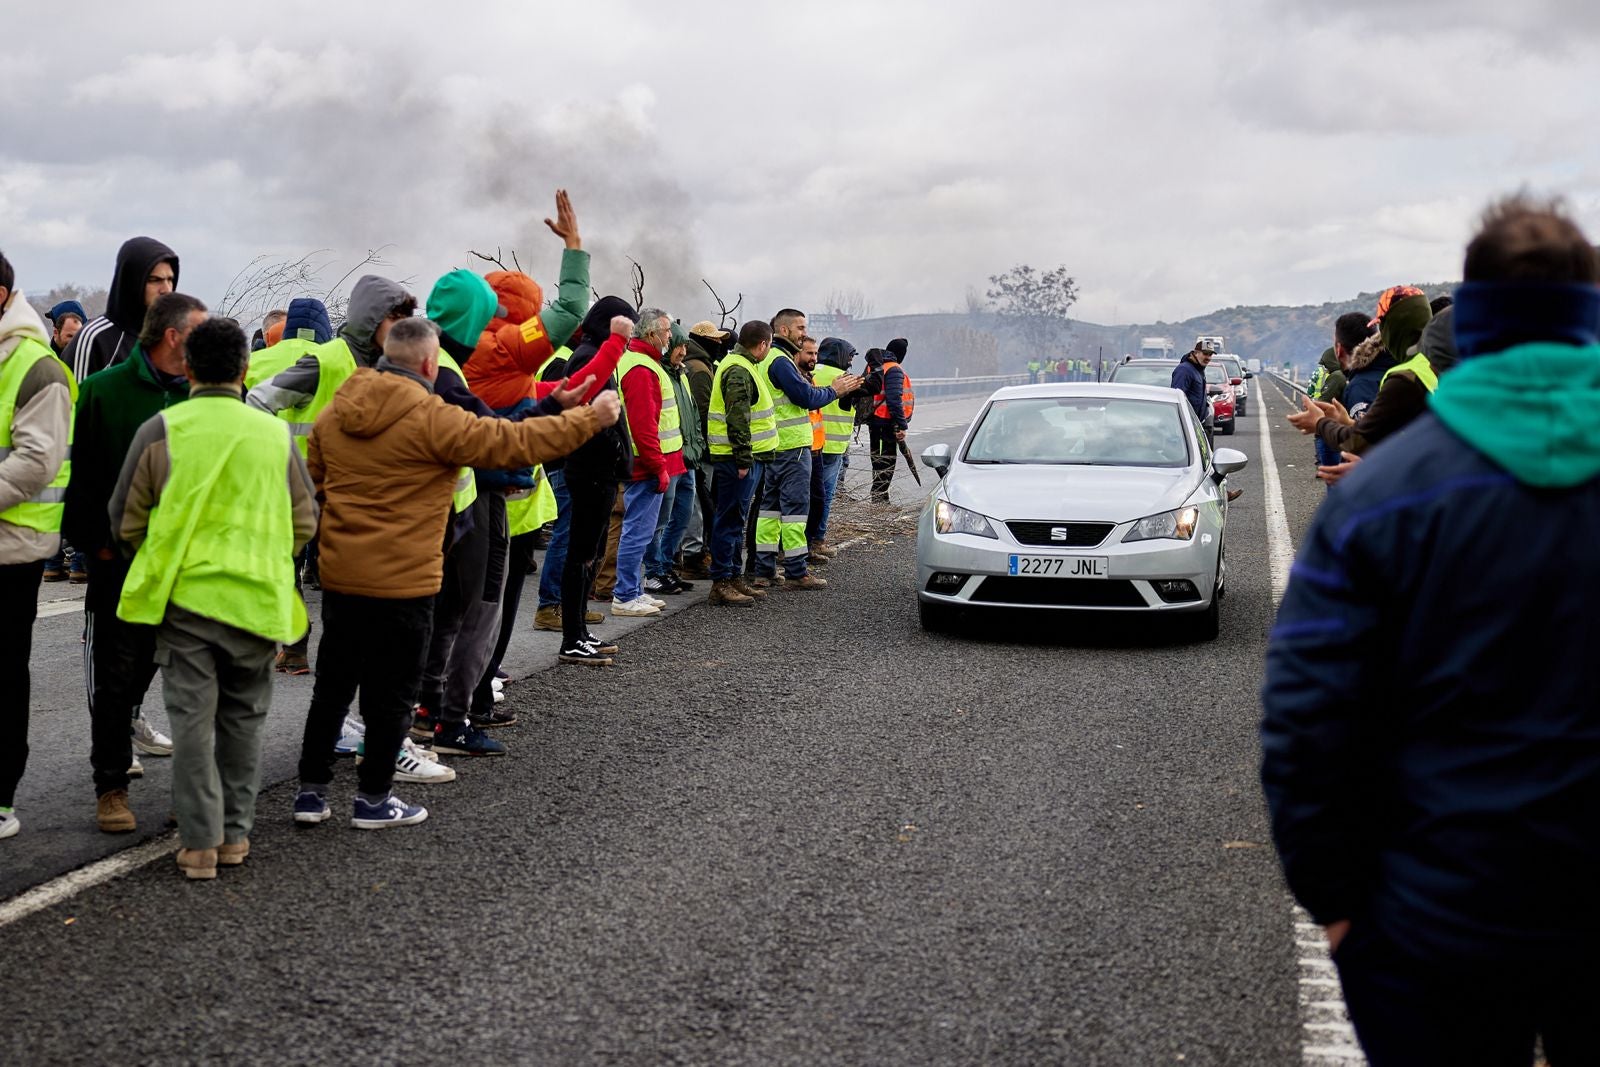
(1099,362)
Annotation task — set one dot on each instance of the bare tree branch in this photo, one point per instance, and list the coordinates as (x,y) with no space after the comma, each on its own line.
(638,284)
(723,308)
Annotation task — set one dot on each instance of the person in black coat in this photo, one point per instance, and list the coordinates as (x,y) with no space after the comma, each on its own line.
(1431,738)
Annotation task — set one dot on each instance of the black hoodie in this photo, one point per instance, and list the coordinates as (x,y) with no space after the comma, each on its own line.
(109,338)
(608,455)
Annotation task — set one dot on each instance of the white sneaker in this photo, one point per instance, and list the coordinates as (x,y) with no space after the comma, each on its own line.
(417,750)
(148,739)
(496,684)
(136,769)
(410,766)
(353,725)
(9,824)
(638,606)
(498,696)
(658,603)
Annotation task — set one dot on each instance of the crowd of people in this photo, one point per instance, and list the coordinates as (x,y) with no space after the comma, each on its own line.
(410,464)
(1431,739)
(1060,370)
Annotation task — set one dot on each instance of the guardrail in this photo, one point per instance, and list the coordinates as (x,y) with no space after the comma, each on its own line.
(1281,380)
(927,387)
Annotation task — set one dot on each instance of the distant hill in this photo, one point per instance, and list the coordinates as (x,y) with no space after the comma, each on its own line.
(974,343)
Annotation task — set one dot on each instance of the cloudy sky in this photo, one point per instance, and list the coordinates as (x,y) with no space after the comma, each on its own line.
(1177,156)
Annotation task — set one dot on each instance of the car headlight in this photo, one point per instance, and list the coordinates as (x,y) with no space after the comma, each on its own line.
(1178,525)
(947,519)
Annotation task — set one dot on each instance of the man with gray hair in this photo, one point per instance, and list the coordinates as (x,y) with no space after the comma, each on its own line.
(655,427)
(386,457)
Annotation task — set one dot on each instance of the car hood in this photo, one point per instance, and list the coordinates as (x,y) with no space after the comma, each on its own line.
(1050,492)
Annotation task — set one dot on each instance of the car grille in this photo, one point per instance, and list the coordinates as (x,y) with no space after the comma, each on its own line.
(1060,592)
(1079,534)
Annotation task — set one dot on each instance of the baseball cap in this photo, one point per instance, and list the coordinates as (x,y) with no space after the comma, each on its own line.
(707,328)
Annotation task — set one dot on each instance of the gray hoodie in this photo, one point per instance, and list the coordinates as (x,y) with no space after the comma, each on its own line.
(39,429)
(371,300)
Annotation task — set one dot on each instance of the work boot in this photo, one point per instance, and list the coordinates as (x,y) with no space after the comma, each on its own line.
(697,565)
(805,581)
(232,855)
(724,592)
(763,583)
(198,862)
(593,618)
(113,814)
(746,589)
(548,618)
(820,548)
(292,663)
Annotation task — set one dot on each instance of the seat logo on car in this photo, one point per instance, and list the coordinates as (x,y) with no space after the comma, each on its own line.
(1058,533)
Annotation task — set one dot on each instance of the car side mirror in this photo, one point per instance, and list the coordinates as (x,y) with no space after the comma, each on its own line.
(1225,461)
(1235,381)
(937,457)
(1249,374)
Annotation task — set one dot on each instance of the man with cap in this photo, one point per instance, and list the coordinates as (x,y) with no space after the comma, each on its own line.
(66,319)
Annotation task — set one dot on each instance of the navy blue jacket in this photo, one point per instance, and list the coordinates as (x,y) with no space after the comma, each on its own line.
(1446,793)
(1189,378)
(1362,388)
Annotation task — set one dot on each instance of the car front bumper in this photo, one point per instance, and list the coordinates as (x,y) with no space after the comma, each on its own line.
(983,567)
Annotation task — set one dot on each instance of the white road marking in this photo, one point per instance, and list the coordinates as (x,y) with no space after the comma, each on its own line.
(1326,1035)
(68,885)
(60,607)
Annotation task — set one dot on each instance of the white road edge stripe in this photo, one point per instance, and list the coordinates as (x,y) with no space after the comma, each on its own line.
(1326,1035)
(58,890)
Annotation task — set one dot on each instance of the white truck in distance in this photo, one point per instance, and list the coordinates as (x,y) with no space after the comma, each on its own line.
(1155,348)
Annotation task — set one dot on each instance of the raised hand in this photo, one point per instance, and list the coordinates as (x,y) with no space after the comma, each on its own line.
(565,224)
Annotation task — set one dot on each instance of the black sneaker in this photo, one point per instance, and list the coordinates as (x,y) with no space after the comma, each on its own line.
(489,720)
(601,645)
(584,653)
(422,723)
(465,740)
(678,584)
(659,586)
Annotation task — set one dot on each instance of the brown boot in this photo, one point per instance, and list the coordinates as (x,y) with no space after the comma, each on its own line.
(724,592)
(696,566)
(198,862)
(820,548)
(232,855)
(751,591)
(593,618)
(763,583)
(547,619)
(113,814)
(806,581)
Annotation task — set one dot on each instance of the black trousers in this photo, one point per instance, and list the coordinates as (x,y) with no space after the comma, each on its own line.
(19,606)
(120,659)
(372,646)
(519,564)
(885,457)
(1469,1012)
(591,519)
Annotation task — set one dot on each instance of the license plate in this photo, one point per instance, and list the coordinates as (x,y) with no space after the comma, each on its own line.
(1060,566)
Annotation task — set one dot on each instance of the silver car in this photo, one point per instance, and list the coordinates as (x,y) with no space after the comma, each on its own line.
(1082,497)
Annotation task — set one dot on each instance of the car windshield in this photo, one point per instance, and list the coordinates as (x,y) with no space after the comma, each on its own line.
(1232,367)
(1144,374)
(1215,375)
(1088,431)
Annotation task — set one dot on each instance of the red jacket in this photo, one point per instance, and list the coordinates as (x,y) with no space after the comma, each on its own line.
(641,392)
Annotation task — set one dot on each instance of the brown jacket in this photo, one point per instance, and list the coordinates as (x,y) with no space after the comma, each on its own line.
(384,457)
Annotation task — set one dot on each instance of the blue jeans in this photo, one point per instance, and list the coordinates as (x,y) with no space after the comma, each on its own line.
(641,507)
(555,557)
(825,470)
(731,495)
(785,509)
(676,505)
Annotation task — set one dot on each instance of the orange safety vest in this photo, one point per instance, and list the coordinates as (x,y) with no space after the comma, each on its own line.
(908,397)
(819,436)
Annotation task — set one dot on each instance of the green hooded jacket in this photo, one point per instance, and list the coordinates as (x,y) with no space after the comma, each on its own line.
(1542,428)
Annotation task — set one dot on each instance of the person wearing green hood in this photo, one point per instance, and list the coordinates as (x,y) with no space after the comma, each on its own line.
(1383,393)
(1431,741)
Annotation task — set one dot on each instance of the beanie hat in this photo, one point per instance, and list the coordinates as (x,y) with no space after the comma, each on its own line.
(897,348)
(67,307)
(461,305)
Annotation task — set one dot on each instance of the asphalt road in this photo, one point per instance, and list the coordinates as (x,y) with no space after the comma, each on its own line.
(800,833)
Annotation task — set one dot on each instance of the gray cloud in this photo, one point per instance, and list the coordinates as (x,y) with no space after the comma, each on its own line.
(1177,157)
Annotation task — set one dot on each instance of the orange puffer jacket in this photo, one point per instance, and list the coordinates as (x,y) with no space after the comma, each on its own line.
(505,364)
